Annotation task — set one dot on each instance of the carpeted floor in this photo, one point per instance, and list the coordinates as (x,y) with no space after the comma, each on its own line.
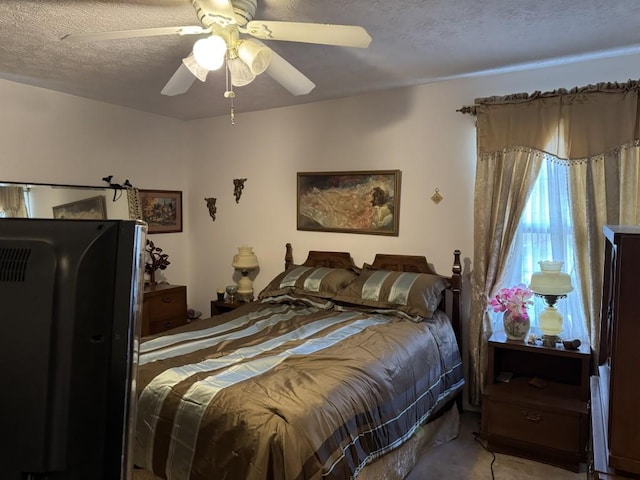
(465,459)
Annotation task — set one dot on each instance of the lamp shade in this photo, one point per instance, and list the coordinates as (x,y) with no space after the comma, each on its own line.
(245,259)
(550,280)
(195,68)
(240,73)
(257,57)
(209,52)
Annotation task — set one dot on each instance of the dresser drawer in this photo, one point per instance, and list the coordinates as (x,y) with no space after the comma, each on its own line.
(531,424)
(167,304)
(162,325)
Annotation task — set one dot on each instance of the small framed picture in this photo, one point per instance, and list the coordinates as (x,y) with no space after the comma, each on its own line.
(94,208)
(162,210)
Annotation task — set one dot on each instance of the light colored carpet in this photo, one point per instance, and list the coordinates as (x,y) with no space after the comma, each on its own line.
(465,459)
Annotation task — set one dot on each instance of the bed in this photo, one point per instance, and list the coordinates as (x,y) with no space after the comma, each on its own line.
(331,372)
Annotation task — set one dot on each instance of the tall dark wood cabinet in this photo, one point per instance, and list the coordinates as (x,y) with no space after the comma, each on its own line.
(615,392)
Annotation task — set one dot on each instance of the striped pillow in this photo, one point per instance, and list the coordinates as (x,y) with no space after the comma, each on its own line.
(412,293)
(322,282)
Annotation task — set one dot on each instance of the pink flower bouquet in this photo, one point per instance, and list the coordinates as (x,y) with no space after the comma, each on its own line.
(514,300)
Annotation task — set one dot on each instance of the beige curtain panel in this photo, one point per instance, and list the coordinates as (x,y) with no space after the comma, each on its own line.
(12,202)
(595,131)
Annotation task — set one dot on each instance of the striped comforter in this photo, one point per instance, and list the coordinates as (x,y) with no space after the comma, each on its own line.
(289,390)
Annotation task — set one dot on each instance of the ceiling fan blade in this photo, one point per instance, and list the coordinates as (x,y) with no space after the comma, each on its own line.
(218,11)
(288,76)
(180,82)
(325,34)
(145,32)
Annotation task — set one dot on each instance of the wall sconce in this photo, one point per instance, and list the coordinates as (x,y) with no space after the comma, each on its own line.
(245,261)
(551,284)
(238,186)
(211,205)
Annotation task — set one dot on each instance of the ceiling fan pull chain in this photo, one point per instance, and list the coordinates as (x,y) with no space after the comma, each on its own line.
(229,93)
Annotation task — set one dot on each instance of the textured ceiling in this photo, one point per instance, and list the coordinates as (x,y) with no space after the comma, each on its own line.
(414,42)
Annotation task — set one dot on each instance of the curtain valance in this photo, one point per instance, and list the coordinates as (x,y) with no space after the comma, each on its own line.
(575,124)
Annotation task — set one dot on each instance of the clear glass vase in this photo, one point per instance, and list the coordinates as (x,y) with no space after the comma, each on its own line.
(516,328)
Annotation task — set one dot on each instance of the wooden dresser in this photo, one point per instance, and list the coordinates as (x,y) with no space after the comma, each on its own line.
(540,410)
(164,307)
(615,392)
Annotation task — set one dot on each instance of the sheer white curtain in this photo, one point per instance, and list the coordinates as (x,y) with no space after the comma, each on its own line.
(545,233)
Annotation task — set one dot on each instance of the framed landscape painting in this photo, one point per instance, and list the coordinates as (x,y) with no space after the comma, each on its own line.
(162,210)
(350,202)
(92,208)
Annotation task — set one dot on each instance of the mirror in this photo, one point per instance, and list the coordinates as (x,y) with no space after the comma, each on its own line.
(37,200)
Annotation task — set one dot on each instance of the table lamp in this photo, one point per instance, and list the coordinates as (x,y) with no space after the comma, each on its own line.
(550,283)
(245,261)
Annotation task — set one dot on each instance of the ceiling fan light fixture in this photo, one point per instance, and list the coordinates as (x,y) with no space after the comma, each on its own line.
(195,68)
(210,52)
(257,57)
(240,73)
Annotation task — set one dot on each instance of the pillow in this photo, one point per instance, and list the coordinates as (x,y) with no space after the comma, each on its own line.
(412,293)
(322,282)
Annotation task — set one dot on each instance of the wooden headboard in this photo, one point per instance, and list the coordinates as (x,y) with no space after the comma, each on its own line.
(321,259)
(398,263)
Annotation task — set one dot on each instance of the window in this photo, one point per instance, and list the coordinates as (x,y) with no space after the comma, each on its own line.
(545,233)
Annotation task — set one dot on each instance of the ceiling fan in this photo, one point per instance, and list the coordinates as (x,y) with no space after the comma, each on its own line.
(231,36)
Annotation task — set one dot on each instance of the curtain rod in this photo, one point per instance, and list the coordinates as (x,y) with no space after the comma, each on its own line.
(606,87)
(467,109)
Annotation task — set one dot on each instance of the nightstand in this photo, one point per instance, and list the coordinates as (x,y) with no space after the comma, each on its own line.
(548,422)
(218,307)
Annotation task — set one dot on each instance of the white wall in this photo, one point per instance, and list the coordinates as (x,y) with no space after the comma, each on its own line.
(52,137)
(416,130)
(394,130)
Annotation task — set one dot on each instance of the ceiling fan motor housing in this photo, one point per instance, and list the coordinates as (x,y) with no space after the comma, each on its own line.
(245,10)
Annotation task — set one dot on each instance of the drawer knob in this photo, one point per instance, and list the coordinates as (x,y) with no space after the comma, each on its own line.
(167,325)
(167,299)
(534,417)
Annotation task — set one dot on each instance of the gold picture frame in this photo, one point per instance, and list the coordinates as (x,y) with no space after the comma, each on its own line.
(366,202)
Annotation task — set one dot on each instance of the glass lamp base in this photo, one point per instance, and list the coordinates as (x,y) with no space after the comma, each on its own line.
(550,322)
(245,287)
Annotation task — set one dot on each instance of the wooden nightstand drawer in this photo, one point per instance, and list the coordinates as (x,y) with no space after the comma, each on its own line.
(531,424)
